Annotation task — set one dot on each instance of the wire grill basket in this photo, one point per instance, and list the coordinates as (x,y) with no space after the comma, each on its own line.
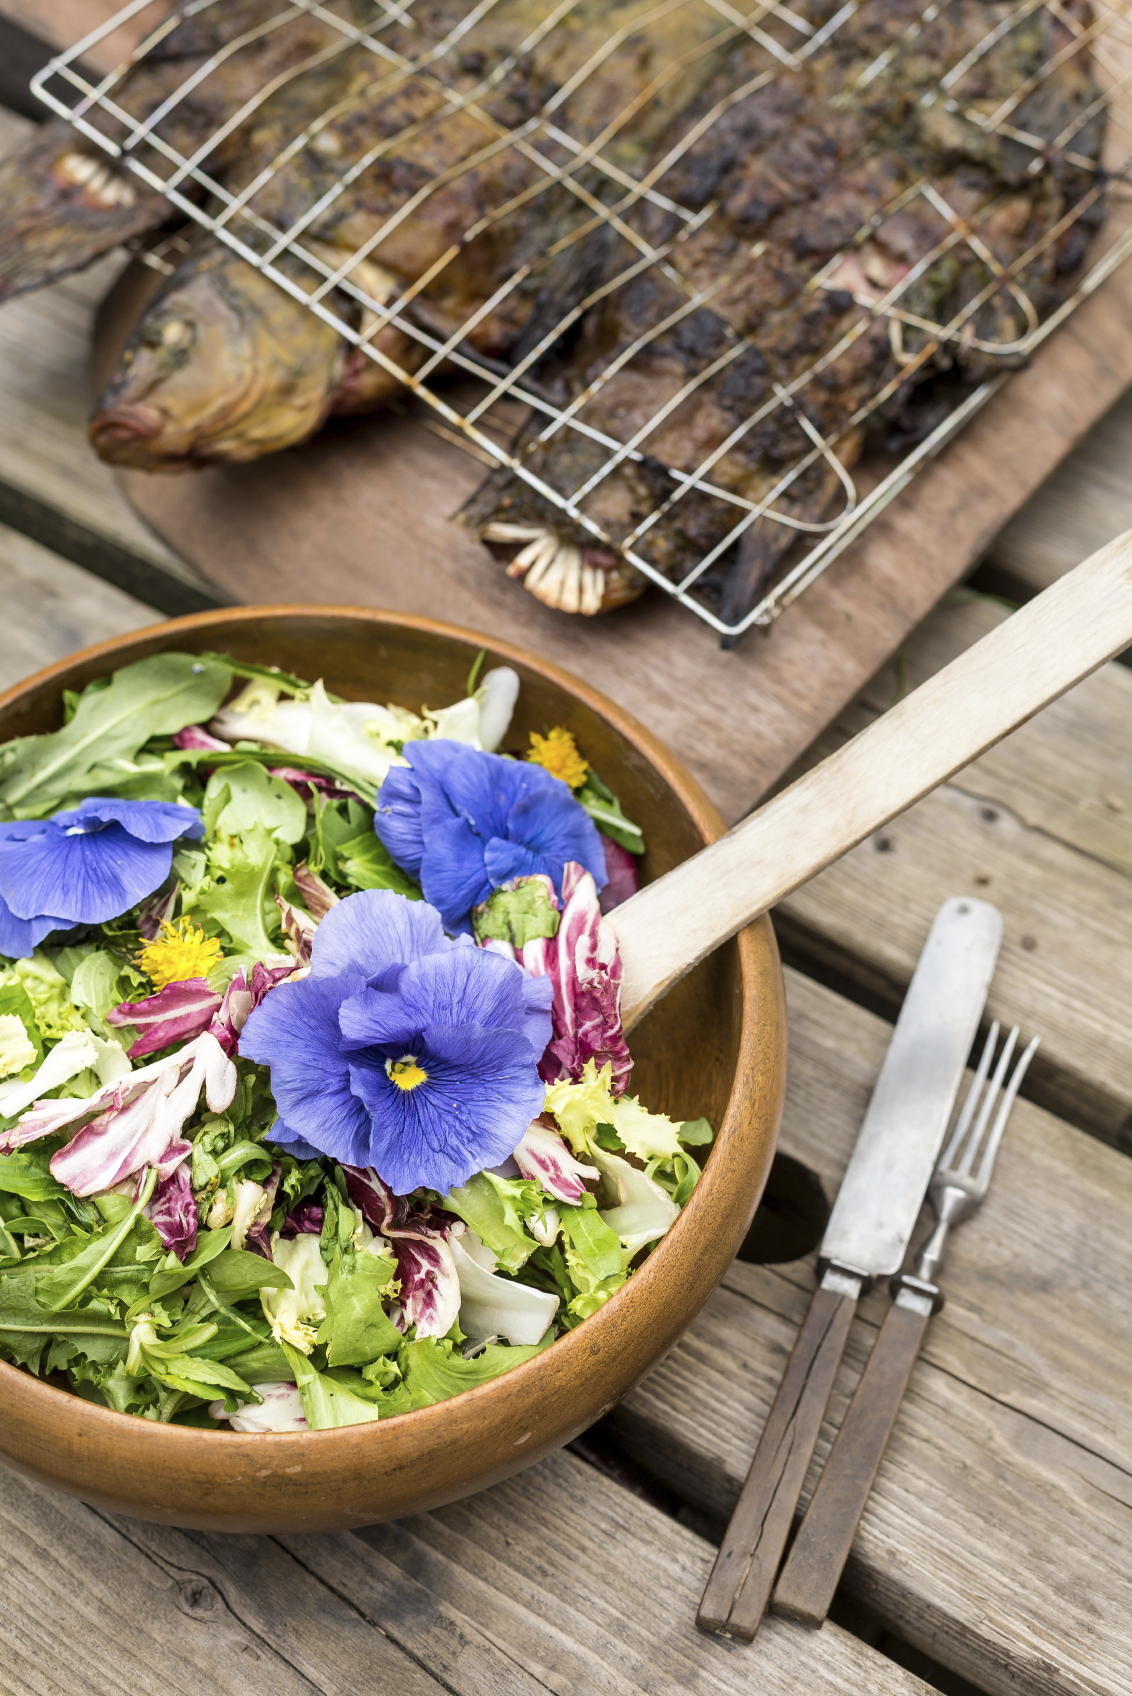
(475,397)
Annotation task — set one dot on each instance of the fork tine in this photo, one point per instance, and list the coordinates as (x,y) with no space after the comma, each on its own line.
(990,1153)
(988,1102)
(967,1111)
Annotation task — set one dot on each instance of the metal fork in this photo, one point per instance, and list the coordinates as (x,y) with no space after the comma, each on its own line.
(957,1188)
(960,1182)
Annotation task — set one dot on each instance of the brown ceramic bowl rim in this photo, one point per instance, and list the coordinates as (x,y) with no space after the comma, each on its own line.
(585,1338)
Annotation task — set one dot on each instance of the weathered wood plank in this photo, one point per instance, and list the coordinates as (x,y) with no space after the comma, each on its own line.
(558,1581)
(53,487)
(1087,500)
(52,607)
(998,1537)
(84,1609)
(1042,826)
(593,1590)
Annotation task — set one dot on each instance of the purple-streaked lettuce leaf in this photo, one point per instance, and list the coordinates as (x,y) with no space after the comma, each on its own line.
(176,1013)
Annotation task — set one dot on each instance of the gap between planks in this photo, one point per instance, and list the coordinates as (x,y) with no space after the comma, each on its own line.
(998,1538)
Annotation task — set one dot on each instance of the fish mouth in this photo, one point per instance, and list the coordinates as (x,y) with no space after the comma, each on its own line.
(123,434)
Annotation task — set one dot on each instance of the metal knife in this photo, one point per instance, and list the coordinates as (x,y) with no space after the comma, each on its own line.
(866,1238)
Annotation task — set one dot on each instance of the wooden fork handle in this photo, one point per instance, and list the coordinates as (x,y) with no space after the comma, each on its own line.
(813,1569)
(741,1579)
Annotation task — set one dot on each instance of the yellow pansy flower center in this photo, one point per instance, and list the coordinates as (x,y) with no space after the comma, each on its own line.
(557,753)
(405,1073)
(181,951)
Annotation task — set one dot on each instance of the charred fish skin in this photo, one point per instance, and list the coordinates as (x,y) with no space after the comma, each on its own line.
(409,160)
(799,170)
(64,201)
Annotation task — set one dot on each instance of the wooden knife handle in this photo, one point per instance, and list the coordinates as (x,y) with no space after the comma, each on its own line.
(741,1579)
(821,1548)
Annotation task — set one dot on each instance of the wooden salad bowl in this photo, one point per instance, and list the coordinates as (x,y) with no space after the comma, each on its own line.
(715,1046)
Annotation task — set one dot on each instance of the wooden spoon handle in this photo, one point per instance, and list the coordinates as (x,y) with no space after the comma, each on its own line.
(1052,643)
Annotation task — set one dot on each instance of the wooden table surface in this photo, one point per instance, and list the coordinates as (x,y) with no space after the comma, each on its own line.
(996,1552)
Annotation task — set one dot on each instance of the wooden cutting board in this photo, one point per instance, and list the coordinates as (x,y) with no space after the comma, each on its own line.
(363,515)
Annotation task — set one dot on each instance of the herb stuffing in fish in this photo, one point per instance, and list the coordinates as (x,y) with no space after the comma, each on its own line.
(314,1107)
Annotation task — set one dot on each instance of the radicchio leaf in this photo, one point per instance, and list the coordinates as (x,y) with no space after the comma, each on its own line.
(430,1287)
(621,875)
(172,1210)
(176,1013)
(195,736)
(239,999)
(298,930)
(318,895)
(257,1238)
(305,1219)
(157,910)
(309,782)
(544,1156)
(134,1122)
(585,968)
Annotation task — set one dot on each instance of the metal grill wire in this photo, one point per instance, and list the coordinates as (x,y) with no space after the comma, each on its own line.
(292,257)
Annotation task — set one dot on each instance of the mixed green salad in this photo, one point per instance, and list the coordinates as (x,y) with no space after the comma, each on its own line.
(314,1097)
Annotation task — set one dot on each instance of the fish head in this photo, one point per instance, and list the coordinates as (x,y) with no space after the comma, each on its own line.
(224,365)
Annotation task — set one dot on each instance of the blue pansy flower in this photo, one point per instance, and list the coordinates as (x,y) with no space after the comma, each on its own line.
(402,1049)
(85,865)
(463,822)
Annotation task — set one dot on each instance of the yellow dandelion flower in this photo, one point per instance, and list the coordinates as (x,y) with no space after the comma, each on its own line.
(181,951)
(558,754)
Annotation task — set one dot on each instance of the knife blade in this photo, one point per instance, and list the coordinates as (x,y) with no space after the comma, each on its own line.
(866,1237)
(887,1178)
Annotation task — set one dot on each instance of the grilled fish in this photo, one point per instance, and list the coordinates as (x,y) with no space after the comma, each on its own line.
(415,166)
(64,200)
(760,335)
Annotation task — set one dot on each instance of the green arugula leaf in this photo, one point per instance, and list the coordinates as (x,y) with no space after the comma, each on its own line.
(25,1172)
(237,1272)
(209,1244)
(96,749)
(204,1378)
(285,681)
(61,1286)
(264,1364)
(695,1132)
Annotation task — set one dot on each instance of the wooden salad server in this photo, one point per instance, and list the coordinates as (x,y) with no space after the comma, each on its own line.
(663,931)
(1051,643)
